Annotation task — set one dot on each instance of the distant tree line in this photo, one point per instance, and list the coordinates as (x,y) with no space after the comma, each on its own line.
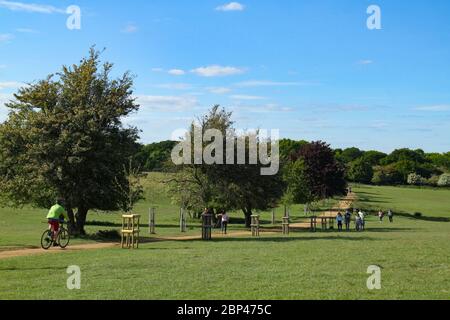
(401,167)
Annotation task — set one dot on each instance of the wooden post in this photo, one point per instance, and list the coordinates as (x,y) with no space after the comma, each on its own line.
(151,219)
(331,223)
(285,225)
(273,216)
(183,223)
(206,226)
(324,223)
(255,225)
(313,224)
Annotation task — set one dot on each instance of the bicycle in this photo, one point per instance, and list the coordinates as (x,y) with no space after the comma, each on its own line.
(62,239)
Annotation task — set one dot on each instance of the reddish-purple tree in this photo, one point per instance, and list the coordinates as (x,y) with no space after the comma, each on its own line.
(323,174)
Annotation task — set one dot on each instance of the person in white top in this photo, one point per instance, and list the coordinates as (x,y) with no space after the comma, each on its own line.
(225,219)
(363,221)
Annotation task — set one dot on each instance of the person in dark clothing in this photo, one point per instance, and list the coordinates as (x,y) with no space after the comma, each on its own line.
(347,218)
(225,218)
(339,220)
(391,216)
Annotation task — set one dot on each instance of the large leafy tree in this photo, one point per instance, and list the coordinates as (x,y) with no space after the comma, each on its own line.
(64,138)
(349,154)
(360,170)
(220,186)
(315,173)
(153,157)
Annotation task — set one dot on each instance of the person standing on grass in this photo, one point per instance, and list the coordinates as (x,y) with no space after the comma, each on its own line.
(339,219)
(362,220)
(225,219)
(348,217)
(219,220)
(391,216)
(358,222)
(380,215)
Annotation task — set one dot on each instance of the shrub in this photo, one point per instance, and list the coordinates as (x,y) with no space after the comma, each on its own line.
(444,180)
(386,175)
(417,214)
(415,179)
(433,180)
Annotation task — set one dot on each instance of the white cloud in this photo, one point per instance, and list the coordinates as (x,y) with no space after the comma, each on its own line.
(11,85)
(4,37)
(232,6)
(436,108)
(247,97)
(166,103)
(174,86)
(177,72)
(30,7)
(365,62)
(218,90)
(217,71)
(265,83)
(130,28)
(26,30)
(265,108)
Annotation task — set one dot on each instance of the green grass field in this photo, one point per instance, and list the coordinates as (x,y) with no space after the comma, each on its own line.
(414,254)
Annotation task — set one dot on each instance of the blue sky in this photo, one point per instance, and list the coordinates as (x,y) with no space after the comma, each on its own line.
(309,68)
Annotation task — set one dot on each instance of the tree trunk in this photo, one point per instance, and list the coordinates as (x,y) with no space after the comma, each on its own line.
(248,217)
(72,227)
(81,220)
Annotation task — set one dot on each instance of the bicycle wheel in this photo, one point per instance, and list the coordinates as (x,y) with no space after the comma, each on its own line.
(46,240)
(63,238)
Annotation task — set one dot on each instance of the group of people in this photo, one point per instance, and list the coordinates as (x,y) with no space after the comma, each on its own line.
(360,219)
(222,219)
(390,215)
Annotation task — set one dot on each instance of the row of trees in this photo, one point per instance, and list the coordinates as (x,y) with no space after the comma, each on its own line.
(309,172)
(402,166)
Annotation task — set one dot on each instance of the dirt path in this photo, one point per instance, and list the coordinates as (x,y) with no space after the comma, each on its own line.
(342,205)
(29,252)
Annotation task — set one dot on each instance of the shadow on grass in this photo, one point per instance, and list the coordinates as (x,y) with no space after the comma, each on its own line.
(422,217)
(417,216)
(280,238)
(388,229)
(32,269)
(290,239)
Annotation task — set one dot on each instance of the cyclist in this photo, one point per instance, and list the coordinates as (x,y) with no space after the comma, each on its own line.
(54,216)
